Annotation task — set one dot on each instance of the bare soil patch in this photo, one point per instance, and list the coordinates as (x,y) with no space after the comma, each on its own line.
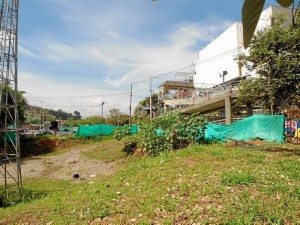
(65,165)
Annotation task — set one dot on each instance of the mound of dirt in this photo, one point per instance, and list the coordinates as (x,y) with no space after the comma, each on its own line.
(38,146)
(251,143)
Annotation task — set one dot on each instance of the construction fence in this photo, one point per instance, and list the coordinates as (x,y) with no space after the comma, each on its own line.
(99,129)
(263,127)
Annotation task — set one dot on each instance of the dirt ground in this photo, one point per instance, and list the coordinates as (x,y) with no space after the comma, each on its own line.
(65,165)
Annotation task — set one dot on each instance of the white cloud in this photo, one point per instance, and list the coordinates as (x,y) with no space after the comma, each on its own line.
(111,42)
(26,51)
(48,93)
(138,60)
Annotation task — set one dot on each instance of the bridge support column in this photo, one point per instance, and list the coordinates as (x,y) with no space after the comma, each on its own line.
(249,110)
(228,109)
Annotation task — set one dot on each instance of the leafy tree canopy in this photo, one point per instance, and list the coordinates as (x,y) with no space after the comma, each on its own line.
(141,111)
(116,117)
(59,114)
(274,55)
(22,103)
(77,115)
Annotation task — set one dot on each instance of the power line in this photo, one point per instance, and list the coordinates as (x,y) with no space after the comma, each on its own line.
(164,74)
(73,106)
(84,96)
(65,106)
(220,55)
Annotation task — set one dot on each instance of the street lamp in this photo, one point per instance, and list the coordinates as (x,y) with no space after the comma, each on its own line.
(223,75)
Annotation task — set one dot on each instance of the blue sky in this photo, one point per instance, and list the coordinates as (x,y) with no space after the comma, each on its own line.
(96,48)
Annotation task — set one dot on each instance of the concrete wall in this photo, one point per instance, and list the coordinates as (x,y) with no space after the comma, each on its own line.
(219,56)
(273,11)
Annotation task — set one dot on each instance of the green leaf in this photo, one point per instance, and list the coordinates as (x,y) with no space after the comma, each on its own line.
(285,3)
(250,16)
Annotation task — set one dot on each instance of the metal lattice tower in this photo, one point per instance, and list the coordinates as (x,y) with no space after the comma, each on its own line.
(10,166)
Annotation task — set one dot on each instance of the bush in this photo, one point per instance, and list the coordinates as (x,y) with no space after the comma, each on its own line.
(124,133)
(130,146)
(171,131)
(121,132)
(87,138)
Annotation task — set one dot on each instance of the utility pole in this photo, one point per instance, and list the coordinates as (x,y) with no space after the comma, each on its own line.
(151,79)
(130,104)
(150,98)
(102,113)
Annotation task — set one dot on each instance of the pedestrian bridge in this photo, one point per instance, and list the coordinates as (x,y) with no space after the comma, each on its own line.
(203,99)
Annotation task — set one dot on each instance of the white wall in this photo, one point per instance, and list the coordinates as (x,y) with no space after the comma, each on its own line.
(273,11)
(219,56)
(220,53)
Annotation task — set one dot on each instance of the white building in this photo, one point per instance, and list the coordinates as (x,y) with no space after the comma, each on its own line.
(218,57)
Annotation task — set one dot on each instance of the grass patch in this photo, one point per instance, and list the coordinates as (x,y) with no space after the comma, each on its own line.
(201,184)
(107,151)
(238,178)
(290,168)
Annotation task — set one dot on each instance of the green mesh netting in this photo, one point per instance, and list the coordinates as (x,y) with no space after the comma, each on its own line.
(264,127)
(100,129)
(134,129)
(10,137)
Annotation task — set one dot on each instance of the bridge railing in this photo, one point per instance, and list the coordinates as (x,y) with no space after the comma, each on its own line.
(203,90)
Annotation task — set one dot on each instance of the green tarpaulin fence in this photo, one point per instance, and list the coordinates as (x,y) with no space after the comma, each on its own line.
(264,127)
(99,129)
(10,137)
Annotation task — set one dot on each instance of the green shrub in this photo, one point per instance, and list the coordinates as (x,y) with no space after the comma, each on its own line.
(169,132)
(121,132)
(130,146)
(124,133)
(87,138)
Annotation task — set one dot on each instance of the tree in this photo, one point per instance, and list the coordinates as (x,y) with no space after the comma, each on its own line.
(116,117)
(77,115)
(91,120)
(22,103)
(59,114)
(251,12)
(274,55)
(142,110)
